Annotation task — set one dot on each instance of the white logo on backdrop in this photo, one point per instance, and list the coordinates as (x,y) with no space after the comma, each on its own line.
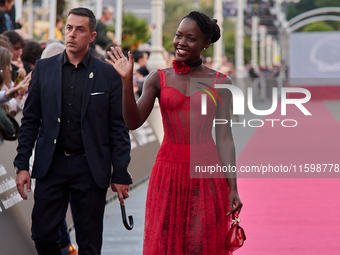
(325,54)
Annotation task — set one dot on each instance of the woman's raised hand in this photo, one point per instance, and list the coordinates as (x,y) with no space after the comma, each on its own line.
(123,66)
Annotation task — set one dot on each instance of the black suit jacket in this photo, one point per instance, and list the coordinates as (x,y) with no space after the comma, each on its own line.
(104,133)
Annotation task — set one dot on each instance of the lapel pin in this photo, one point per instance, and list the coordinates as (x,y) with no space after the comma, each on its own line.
(91,75)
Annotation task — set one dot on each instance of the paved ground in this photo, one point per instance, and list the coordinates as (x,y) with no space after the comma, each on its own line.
(118,240)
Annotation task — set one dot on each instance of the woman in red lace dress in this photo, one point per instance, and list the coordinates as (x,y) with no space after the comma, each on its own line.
(185,215)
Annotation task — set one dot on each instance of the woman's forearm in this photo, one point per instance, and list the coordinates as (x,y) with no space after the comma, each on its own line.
(130,109)
(226,151)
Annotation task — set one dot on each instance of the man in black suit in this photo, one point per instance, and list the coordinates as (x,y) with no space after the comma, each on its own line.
(74,112)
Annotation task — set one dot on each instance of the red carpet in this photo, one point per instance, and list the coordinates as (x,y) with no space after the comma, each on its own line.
(287,214)
(324,92)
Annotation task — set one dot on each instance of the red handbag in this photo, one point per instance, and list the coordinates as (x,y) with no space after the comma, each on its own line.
(235,237)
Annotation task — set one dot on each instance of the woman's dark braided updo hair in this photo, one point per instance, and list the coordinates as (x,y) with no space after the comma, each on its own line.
(208,26)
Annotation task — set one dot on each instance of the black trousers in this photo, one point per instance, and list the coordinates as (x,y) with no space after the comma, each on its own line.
(68,175)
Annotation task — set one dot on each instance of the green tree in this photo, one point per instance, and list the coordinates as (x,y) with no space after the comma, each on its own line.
(317,26)
(307,5)
(229,46)
(300,7)
(135,31)
(327,3)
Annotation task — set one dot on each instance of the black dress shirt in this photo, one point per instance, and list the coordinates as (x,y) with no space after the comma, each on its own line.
(72,96)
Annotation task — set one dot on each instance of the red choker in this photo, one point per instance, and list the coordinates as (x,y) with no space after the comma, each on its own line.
(182,67)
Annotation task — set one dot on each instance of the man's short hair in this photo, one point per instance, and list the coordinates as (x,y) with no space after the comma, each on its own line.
(108,8)
(81,11)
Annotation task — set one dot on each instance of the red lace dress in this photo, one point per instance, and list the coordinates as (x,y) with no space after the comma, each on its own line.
(184,215)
